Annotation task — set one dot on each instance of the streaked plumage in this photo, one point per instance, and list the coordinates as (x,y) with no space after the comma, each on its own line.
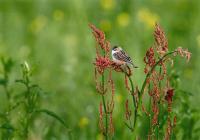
(120,56)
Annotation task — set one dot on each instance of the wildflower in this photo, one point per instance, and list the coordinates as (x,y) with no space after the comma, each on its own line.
(111,84)
(183,53)
(38,24)
(155,110)
(147,17)
(101,126)
(111,126)
(118,98)
(145,111)
(126,83)
(102,63)
(100,38)
(121,68)
(170,94)
(149,59)
(169,129)
(110,106)
(58,15)
(26,67)
(160,39)
(128,112)
(168,98)
(123,19)
(108,4)
(175,121)
(83,122)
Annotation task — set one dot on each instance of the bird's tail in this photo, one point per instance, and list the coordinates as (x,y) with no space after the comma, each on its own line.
(134,66)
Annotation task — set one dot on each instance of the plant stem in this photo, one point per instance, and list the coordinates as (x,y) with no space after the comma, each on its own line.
(159,107)
(150,72)
(134,101)
(132,90)
(144,84)
(104,106)
(6,88)
(150,128)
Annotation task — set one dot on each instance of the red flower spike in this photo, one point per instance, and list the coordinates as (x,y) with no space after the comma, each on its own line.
(100,38)
(169,130)
(161,40)
(183,53)
(102,63)
(101,126)
(149,58)
(169,95)
(175,120)
(126,83)
(128,112)
(111,126)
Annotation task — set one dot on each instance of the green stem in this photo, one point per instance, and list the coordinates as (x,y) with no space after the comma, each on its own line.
(144,85)
(132,91)
(104,106)
(150,130)
(159,107)
(150,72)
(134,101)
(148,75)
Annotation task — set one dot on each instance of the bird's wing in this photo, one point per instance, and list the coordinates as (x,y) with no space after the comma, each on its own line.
(122,56)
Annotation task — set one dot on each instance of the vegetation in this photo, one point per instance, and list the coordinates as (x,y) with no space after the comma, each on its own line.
(53,88)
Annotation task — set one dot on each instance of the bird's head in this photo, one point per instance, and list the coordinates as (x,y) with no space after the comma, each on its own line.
(116,49)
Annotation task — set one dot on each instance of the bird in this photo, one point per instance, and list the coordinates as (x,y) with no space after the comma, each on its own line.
(120,57)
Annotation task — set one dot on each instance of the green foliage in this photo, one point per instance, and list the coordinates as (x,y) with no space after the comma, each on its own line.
(54,37)
(29,102)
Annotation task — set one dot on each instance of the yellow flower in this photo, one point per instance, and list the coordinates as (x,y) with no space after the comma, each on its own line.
(105,25)
(58,15)
(123,19)
(118,98)
(99,137)
(147,17)
(108,4)
(38,24)
(83,122)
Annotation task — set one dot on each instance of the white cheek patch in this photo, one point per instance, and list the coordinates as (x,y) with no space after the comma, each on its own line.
(112,54)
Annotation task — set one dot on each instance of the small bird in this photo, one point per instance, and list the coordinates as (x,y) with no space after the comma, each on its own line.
(121,57)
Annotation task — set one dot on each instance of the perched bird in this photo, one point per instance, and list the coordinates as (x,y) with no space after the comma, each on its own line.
(121,57)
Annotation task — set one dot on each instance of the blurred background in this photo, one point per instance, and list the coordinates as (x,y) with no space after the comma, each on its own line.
(54,38)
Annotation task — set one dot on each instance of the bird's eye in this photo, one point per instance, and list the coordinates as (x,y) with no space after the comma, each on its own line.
(115,49)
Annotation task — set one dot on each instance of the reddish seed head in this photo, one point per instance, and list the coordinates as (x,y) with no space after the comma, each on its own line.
(183,53)
(102,63)
(126,83)
(111,126)
(160,39)
(100,38)
(128,112)
(169,95)
(149,59)
(101,126)
(175,120)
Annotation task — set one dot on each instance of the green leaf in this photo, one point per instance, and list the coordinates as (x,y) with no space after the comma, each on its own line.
(7,64)
(54,115)
(2,81)
(7,126)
